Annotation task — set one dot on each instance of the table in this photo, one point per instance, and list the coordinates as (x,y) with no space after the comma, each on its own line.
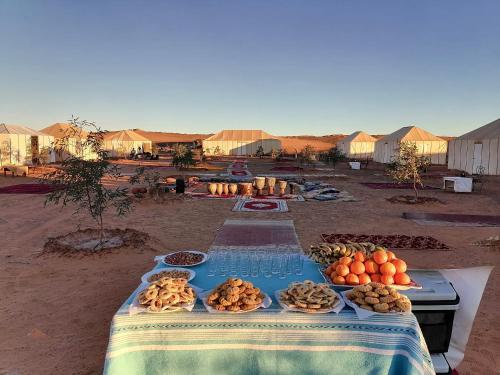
(355,164)
(460,184)
(268,341)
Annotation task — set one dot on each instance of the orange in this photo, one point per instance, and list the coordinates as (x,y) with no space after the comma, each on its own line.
(371,266)
(328,269)
(332,275)
(388,269)
(339,280)
(390,255)
(375,277)
(345,260)
(357,267)
(379,256)
(400,265)
(352,279)
(387,280)
(335,264)
(364,278)
(359,256)
(402,279)
(342,270)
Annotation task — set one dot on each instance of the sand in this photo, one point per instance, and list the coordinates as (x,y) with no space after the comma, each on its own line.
(56,311)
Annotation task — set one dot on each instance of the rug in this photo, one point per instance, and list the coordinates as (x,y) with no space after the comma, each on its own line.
(29,189)
(261,205)
(391,185)
(212,196)
(392,241)
(288,197)
(453,220)
(286,168)
(266,234)
(239,173)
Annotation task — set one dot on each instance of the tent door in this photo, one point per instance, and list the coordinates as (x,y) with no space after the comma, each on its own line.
(476,161)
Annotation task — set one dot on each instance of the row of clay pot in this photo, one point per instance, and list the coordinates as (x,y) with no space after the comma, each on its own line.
(261,182)
(221,188)
(246,188)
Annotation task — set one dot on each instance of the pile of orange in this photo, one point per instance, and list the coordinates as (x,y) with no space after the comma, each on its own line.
(382,266)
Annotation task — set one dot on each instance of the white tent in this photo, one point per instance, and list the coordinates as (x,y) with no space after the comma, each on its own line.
(68,141)
(240,142)
(20,145)
(358,145)
(476,149)
(428,144)
(119,144)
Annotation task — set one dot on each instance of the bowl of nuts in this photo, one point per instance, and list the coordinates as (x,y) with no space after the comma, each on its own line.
(185,258)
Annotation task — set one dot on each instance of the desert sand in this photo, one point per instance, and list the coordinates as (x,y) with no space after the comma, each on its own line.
(56,311)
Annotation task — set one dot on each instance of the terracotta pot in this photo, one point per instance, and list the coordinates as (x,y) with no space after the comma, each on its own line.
(225,189)
(271,182)
(260,183)
(246,188)
(282,186)
(233,189)
(212,188)
(220,188)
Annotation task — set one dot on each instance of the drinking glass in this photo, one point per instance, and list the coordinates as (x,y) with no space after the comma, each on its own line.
(275,262)
(212,263)
(245,263)
(265,265)
(289,263)
(254,264)
(283,265)
(298,264)
(233,263)
(223,264)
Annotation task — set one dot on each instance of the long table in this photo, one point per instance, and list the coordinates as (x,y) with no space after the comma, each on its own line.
(266,341)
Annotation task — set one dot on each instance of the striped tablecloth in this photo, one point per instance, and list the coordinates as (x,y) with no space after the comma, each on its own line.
(267,341)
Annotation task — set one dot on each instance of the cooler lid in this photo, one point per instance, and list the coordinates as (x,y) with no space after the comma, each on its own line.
(440,364)
(435,288)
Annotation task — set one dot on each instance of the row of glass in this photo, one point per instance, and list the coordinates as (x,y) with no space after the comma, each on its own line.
(274,263)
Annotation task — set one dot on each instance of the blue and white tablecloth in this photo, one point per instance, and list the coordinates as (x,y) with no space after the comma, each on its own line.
(267,341)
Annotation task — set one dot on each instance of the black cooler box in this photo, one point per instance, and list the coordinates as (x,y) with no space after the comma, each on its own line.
(434,307)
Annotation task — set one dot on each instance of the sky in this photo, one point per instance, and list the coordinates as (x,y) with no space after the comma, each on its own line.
(287,67)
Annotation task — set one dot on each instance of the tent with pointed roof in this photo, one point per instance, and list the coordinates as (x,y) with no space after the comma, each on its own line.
(121,143)
(68,141)
(477,150)
(20,145)
(240,142)
(358,145)
(386,148)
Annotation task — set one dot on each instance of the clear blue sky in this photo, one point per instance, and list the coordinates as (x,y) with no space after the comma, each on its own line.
(288,67)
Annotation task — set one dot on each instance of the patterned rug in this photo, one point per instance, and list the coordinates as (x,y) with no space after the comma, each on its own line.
(453,220)
(265,234)
(261,205)
(391,241)
(29,189)
(391,185)
(288,197)
(210,196)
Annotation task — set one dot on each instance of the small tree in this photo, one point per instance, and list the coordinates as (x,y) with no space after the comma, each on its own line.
(183,157)
(307,155)
(334,155)
(260,152)
(151,179)
(408,165)
(79,181)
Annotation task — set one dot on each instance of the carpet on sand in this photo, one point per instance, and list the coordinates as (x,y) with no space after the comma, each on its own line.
(391,241)
(391,185)
(260,205)
(453,220)
(29,189)
(257,234)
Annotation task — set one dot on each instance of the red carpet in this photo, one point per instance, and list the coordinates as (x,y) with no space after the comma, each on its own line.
(390,185)
(29,189)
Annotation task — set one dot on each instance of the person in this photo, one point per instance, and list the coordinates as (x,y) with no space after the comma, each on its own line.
(139,151)
(132,153)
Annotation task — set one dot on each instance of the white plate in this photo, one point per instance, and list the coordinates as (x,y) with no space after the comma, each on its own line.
(205,257)
(364,314)
(145,277)
(337,307)
(266,302)
(136,308)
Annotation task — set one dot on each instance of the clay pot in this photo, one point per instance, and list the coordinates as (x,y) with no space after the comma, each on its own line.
(212,188)
(170,180)
(220,188)
(225,189)
(246,188)
(271,182)
(282,186)
(233,189)
(260,183)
